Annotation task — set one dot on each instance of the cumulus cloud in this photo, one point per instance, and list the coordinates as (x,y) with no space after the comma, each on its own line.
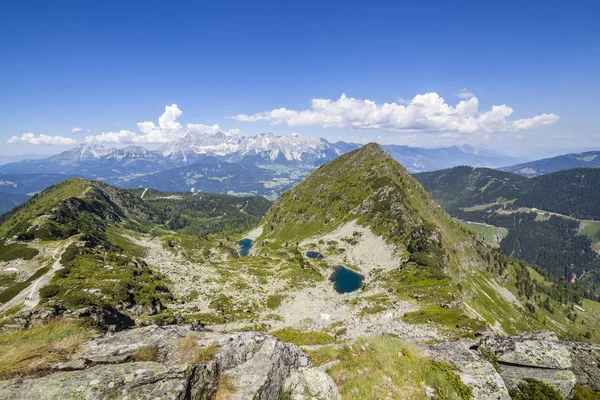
(31,138)
(424,113)
(165,130)
(76,130)
(465,94)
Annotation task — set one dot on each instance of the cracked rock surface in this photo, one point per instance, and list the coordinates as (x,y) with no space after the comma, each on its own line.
(540,356)
(253,365)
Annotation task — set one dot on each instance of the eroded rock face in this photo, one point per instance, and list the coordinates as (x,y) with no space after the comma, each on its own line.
(474,370)
(540,356)
(586,364)
(537,350)
(250,365)
(311,383)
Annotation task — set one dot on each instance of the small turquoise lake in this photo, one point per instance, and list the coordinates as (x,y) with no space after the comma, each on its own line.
(345,280)
(314,254)
(245,246)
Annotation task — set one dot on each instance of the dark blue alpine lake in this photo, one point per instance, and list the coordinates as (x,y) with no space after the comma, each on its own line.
(345,280)
(314,254)
(245,246)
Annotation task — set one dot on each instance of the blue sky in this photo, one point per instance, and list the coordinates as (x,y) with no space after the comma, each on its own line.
(107,66)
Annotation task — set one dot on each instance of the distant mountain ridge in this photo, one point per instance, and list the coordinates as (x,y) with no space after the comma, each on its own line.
(588,159)
(18,188)
(267,146)
(219,162)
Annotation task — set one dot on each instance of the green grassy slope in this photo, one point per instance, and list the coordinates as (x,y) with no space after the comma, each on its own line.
(545,216)
(95,222)
(573,192)
(444,263)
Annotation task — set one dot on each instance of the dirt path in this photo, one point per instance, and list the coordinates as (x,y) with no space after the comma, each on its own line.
(143,193)
(30,296)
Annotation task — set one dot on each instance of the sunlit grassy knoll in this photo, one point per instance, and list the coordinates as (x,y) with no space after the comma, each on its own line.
(33,350)
(386,367)
(491,234)
(42,203)
(591,230)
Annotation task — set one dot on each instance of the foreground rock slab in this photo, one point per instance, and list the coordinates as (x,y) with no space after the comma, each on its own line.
(173,362)
(492,365)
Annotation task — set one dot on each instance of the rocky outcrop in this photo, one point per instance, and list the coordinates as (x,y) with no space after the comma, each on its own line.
(173,362)
(540,356)
(492,365)
(104,318)
(585,360)
(474,370)
(311,383)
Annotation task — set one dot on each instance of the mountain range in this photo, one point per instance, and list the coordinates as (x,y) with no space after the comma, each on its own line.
(264,165)
(82,257)
(588,159)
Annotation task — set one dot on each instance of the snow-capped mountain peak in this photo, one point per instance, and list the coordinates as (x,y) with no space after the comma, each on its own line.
(83,152)
(268,145)
(132,152)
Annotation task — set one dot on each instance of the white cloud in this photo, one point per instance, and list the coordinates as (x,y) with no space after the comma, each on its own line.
(424,113)
(122,136)
(31,138)
(465,94)
(167,129)
(76,130)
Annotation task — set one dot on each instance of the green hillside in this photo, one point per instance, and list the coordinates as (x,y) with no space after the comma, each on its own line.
(546,217)
(572,192)
(441,262)
(168,257)
(89,228)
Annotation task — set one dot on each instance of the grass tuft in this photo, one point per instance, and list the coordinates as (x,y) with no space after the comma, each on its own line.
(32,350)
(303,338)
(148,353)
(188,350)
(386,367)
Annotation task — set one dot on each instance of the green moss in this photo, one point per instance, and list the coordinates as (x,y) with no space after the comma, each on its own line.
(49,291)
(452,318)
(372,310)
(303,338)
(532,389)
(492,357)
(583,393)
(274,301)
(15,251)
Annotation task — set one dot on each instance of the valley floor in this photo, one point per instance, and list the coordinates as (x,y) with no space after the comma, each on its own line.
(265,292)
